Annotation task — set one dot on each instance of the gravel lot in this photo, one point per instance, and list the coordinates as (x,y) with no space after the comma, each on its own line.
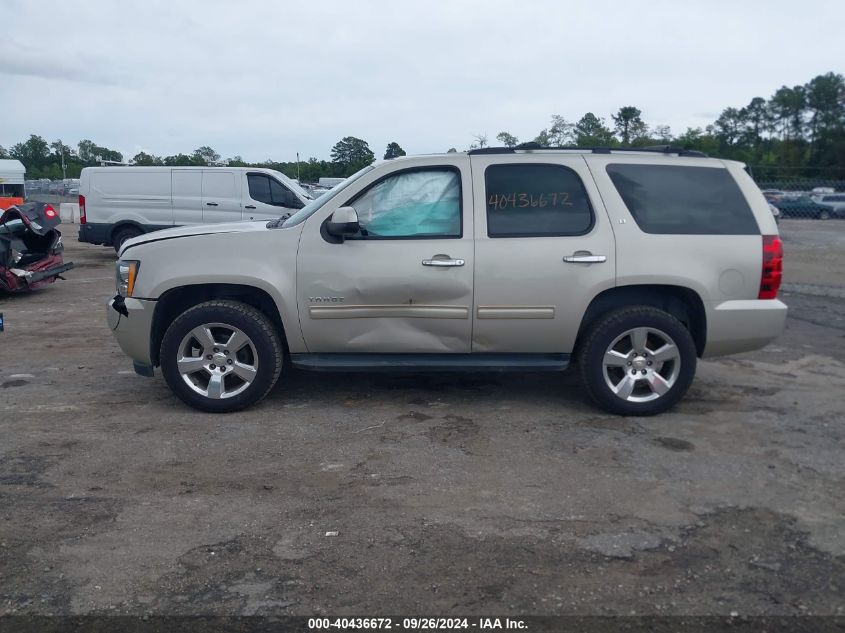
(437,495)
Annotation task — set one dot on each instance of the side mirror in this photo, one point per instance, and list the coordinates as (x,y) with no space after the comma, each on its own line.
(343,223)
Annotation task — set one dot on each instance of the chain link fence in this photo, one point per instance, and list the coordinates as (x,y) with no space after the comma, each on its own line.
(796,195)
(810,208)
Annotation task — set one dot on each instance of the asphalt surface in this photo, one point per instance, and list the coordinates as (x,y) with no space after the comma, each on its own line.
(437,495)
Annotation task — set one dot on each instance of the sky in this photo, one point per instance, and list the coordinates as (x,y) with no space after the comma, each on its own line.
(268,79)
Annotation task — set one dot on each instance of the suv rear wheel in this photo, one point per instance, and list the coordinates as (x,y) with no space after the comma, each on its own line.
(637,361)
(221,356)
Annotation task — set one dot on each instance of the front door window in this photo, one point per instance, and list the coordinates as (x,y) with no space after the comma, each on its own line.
(412,204)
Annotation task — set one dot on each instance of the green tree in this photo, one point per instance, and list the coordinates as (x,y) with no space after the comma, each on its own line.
(662,134)
(825,100)
(86,151)
(507,139)
(205,155)
(148,160)
(591,131)
(479,141)
(561,132)
(729,127)
(60,148)
(351,154)
(394,150)
(33,153)
(90,153)
(236,161)
(697,139)
(451,150)
(787,106)
(180,160)
(629,124)
(757,121)
(543,138)
(3,152)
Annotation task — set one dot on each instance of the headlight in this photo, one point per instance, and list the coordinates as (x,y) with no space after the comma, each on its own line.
(126,272)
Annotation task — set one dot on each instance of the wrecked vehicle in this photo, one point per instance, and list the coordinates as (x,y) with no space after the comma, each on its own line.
(30,247)
(634,262)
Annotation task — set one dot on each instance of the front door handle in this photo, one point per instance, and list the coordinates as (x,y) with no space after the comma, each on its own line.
(249,206)
(211,204)
(584,257)
(444,263)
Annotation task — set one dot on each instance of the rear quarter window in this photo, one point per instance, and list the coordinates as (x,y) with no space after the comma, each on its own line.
(683,200)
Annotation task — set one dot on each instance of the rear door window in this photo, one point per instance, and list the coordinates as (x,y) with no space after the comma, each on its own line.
(534,200)
(683,200)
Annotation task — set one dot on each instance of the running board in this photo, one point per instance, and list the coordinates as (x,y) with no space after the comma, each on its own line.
(413,363)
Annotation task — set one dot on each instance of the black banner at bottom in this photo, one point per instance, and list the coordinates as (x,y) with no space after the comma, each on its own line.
(526,624)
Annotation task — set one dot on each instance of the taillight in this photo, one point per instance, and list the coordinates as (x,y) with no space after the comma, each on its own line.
(82,219)
(772,267)
(49,211)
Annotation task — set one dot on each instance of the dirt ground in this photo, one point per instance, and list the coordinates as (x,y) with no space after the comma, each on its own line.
(437,495)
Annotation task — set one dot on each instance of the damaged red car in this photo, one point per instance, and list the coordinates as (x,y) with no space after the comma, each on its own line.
(30,247)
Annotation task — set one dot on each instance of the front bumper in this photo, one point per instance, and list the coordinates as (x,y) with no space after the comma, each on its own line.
(743,326)
(131,321)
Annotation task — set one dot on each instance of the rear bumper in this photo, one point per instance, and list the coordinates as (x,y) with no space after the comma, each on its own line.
(95,233)
(131,322)
(743,326)
(43,273)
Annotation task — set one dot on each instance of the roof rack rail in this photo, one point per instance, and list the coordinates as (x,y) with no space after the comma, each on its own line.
(653,149)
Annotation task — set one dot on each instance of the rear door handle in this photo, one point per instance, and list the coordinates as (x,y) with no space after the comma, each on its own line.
(584,258)
(211,204)
(443,263)
(249,206)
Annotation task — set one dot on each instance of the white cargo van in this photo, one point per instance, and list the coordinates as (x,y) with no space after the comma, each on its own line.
(117,203)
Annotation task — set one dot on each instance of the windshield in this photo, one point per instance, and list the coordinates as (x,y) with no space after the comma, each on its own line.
(310,209)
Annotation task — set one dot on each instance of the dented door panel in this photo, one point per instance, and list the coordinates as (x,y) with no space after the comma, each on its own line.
(376,295)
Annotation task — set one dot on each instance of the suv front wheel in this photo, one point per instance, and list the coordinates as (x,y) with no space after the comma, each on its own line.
(637,361)
(221,356)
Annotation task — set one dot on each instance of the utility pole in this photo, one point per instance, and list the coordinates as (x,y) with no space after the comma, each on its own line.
(64,171)
(297,167)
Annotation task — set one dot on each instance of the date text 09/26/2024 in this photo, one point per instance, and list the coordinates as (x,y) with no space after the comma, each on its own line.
(416,624)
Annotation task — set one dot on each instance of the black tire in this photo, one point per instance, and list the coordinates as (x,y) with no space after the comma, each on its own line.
(123,234)
(591,351)
(262,335)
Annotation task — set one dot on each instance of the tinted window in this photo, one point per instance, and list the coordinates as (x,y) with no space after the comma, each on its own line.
(281,196)
(417,203)
(673,199)
(269,191)
(259,188)
(535,200)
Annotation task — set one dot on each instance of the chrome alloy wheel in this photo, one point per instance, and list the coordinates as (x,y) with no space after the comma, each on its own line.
(217,360)
(642,364)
